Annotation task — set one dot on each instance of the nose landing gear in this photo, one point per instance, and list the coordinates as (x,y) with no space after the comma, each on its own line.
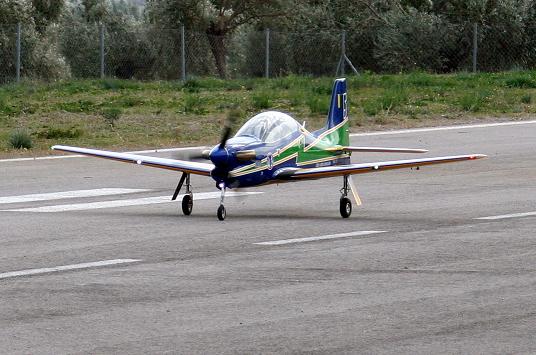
(221,210)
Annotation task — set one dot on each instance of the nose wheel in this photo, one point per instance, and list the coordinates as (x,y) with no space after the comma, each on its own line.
(221,210)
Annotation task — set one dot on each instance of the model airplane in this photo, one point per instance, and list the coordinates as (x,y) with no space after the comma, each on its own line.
(273,148)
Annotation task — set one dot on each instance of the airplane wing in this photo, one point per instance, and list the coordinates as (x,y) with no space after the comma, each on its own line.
(375,149)
(340,170)
(162,163)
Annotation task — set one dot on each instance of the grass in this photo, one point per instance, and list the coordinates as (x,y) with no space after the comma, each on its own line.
(158,114)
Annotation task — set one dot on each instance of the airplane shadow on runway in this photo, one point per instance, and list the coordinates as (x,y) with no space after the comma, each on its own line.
(389,219)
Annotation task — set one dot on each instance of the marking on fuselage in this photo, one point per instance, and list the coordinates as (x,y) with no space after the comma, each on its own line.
(48,270)
(508,216)
(321,237)
(126,203)
(322,160)
(68,194)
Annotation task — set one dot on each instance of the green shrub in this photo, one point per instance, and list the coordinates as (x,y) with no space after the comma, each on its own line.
(111,115)
(130,101)
(322,90)
(194,104)
(521,82)
(20,139)
(192,86)
(280,84)
(393,98)
(473,101)
(371,107)
(526,99)
(77,106)
(59,132)
(261,101)
(318,105)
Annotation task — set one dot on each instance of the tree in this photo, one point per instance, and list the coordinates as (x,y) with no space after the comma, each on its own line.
(218,19)
(46,12)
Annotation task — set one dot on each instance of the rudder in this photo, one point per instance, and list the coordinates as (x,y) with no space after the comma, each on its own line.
(338,109)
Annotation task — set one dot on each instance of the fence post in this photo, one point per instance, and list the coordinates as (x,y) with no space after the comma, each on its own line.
(183,54)
(343,51)
(18,45)
(475,47)
(101,35)
(267,54)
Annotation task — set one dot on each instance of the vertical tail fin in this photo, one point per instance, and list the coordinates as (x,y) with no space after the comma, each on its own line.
(338,109)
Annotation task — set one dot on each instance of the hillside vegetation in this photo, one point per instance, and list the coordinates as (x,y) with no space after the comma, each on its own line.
(124,114)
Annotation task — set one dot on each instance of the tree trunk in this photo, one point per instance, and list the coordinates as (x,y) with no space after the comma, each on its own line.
(219,50)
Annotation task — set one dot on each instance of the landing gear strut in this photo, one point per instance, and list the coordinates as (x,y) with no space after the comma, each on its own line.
(188,198)
(345,206)
(221,209)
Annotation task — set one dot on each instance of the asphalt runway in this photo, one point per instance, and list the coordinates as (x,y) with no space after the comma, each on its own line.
(117,269)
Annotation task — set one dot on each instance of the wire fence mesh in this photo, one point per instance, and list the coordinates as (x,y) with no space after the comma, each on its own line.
(149,53)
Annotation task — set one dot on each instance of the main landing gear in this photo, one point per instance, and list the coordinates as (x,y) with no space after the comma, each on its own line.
(188,198)
(345,206)
(221,209)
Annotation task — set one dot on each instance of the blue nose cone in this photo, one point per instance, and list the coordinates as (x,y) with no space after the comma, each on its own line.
(219,156)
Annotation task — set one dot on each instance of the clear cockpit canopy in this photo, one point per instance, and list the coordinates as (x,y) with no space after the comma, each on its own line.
(269,127)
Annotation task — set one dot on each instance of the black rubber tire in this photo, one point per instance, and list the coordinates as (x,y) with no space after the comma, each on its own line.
(187,204)
(221,212)
(345,207)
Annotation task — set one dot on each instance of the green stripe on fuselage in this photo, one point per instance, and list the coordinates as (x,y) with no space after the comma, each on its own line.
(339,136)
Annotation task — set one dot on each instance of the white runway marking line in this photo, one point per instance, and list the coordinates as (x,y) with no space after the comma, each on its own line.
(507,216)
(322,237)
(126,203)
(443,128)
(29,272)
(67,194)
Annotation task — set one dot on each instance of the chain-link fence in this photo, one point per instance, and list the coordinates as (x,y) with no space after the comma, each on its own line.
(148,53)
